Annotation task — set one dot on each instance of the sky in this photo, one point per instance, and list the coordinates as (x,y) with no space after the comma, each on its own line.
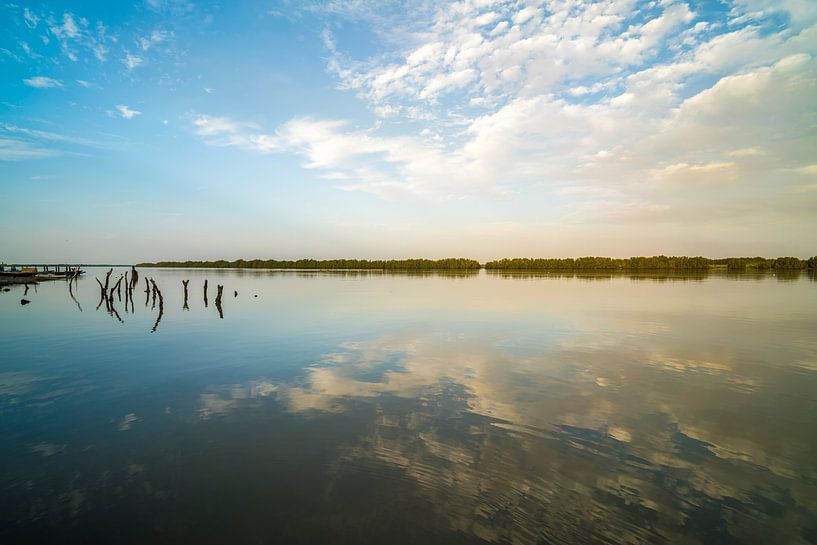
(185,129)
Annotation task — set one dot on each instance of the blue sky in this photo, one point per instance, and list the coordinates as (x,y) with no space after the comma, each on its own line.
(174,129)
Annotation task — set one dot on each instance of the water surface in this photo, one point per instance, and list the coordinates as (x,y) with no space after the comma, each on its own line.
(387,408)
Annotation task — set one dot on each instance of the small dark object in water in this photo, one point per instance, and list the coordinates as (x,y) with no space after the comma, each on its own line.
(6,289)
(256,295)
(235,294)
(24,301)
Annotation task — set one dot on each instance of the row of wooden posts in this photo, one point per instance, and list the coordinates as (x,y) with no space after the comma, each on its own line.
(152,293)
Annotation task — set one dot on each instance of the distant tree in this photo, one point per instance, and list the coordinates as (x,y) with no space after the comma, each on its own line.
(788,264)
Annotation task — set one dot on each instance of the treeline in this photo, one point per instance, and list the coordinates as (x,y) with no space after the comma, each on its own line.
(448,264)
(631,264)
(654,263)
(739,264)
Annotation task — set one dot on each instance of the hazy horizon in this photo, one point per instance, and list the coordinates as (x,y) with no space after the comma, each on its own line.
(176,130)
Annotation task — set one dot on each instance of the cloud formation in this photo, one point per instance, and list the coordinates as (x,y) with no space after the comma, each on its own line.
(42,82)
(126,112)
(616,106)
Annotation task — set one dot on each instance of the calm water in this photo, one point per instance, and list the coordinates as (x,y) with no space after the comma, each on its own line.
(370,408)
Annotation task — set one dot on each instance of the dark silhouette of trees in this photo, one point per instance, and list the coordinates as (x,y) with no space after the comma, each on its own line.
(449,264)
(654,263)
(521,264)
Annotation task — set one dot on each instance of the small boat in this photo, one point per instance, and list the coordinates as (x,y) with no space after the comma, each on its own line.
(51,276)
(60,274)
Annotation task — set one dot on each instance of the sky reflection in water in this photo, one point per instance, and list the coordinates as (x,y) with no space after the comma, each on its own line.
(396,408)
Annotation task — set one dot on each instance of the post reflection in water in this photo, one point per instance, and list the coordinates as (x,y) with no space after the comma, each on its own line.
(434,409)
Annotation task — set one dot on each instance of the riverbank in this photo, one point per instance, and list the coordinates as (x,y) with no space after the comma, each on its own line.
(601,264)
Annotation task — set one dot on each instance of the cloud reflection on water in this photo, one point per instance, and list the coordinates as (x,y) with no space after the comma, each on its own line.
(636,438)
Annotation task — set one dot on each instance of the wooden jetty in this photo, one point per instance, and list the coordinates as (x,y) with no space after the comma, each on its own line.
(41,272)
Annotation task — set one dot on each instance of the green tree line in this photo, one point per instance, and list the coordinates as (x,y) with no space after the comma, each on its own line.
(766,264)
(631,264)
(654,263)
(448,264)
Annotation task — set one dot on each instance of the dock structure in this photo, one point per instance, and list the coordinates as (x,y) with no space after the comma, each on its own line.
(40,267)
(24,273)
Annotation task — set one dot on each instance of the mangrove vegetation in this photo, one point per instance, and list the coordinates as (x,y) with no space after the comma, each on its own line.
(521,264)
(654,263)
(448,264)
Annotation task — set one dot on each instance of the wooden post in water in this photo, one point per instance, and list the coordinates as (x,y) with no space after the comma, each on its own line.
(107,279)
(185,306)
(220,289)
(153,295)
(134,277)
(158,292)
(205,293)
(116,288)
(71,291)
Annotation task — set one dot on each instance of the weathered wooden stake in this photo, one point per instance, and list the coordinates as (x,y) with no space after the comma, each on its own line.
(161,305)
(185,306)
(219,293)
(107,279)
(102,290)
(153,295)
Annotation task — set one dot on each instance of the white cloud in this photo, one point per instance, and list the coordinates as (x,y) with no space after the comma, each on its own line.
(47,135)
(75,32)
(42,82)
(808,169)
(30,18)
(225,132)
(713,172)
(747,152)
(22,143)
(154,38)
(622,117)
(173,7)
(801,12)
(126,112)
(217,126)
(13,149)
(132,61)
(68,28)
